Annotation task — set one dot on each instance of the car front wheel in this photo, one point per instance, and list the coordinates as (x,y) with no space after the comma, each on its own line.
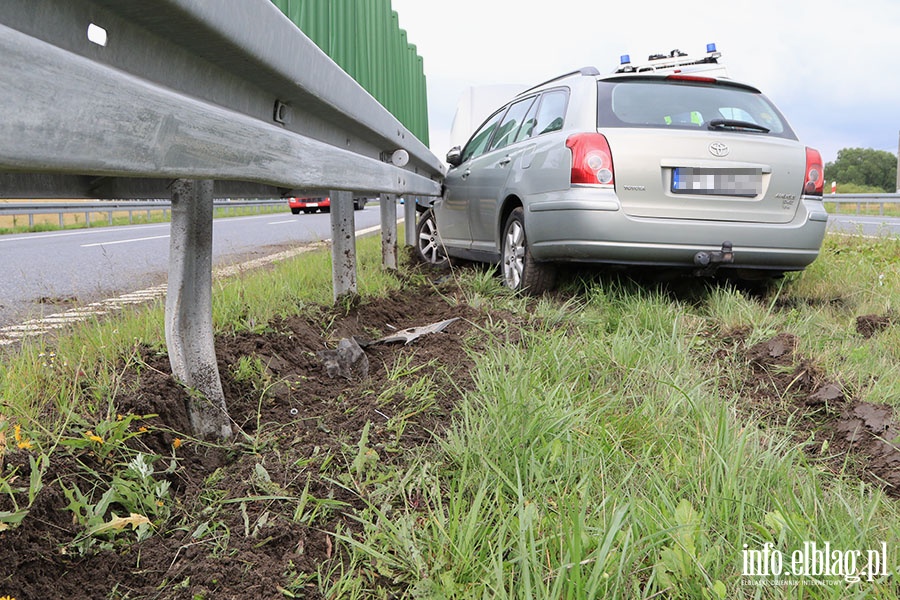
(428,243)
(520,271)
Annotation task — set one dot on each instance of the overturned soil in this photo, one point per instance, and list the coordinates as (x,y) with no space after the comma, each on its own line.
(842,431)
(297,432)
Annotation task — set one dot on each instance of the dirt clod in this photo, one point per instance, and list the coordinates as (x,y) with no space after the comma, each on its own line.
(869,325)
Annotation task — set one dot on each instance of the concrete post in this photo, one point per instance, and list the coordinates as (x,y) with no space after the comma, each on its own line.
(189,327)
(409,214)
(388,206)
(898,167)
(343,244)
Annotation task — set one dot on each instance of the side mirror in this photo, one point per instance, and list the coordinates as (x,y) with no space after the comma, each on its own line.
(454,157)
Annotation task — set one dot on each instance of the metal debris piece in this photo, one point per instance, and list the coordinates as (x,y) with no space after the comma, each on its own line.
(410,335)
(348,360)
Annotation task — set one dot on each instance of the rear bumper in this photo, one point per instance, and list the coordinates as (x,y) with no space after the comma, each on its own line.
(577,228)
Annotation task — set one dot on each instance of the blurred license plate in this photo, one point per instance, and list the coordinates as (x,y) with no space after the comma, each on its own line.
(745,183)
(312,205)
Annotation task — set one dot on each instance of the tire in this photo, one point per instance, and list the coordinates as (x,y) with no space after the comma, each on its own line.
(428,242)
(520,271)
(307,211)
(295,211)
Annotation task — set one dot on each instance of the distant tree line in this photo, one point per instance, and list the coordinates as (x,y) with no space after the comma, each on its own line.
(861,171)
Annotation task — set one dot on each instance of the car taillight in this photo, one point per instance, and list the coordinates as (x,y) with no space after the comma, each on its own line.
(591,158)
(815,177)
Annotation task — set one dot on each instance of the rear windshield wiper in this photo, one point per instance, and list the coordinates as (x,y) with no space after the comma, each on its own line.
(733,124)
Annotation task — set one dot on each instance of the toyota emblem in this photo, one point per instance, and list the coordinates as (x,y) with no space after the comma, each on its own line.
(718,149)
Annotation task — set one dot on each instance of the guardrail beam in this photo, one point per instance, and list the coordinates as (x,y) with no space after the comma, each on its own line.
(189,326)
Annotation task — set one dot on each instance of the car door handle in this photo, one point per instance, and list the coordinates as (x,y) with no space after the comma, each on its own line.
(466,174)
(505,161)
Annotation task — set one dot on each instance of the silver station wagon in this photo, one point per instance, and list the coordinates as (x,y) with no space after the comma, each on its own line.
(667,164)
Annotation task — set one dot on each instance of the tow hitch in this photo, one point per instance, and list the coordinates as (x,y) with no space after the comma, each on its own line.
(709,262)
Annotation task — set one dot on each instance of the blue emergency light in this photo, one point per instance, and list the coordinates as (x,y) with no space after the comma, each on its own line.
(710,47)
(624,59)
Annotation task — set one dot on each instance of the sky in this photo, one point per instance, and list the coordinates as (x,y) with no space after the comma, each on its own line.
(831,66)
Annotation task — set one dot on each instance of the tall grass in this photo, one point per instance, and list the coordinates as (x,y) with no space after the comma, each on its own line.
(610,456)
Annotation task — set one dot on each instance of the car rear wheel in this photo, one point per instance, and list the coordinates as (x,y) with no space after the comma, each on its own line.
(520,271)
(428,243)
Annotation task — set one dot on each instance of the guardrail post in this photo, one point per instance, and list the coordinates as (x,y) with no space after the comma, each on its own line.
(343,244)
(388,207)
(189,327)
(409,220)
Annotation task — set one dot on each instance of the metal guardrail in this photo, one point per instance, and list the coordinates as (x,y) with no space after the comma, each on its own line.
(61,209)
(860,199)
(229,91)
(191,99)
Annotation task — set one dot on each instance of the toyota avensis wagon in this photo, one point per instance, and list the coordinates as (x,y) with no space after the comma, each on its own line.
(668,164)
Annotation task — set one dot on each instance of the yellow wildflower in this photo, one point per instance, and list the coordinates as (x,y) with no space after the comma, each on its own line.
(22,443)
(142,429)
(7,598)
(94,438)
(176,443)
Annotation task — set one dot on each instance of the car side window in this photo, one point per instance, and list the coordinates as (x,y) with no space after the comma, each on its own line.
(480,139)
(509,127)
(552,112)
(528,123)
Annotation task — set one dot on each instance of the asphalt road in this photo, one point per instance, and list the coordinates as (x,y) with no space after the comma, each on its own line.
(872,226)
(45,273)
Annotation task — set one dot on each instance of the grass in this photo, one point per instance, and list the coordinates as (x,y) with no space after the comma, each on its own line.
(608,451)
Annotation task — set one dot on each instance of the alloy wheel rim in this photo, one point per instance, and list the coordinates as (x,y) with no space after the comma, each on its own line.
(514,255)
(428,242)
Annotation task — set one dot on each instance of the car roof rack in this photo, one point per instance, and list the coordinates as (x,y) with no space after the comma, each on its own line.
(674,60)
(586,71)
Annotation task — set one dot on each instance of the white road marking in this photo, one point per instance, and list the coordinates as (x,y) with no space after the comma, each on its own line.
(143,239)
(118,229)
(42,236)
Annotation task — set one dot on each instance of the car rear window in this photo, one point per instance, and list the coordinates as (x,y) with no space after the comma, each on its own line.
(679,104)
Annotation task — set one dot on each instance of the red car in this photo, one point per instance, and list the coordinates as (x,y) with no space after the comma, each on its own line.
(309,205)
(312,204)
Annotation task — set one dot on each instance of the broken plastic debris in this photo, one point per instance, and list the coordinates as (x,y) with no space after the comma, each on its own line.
(410,335)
